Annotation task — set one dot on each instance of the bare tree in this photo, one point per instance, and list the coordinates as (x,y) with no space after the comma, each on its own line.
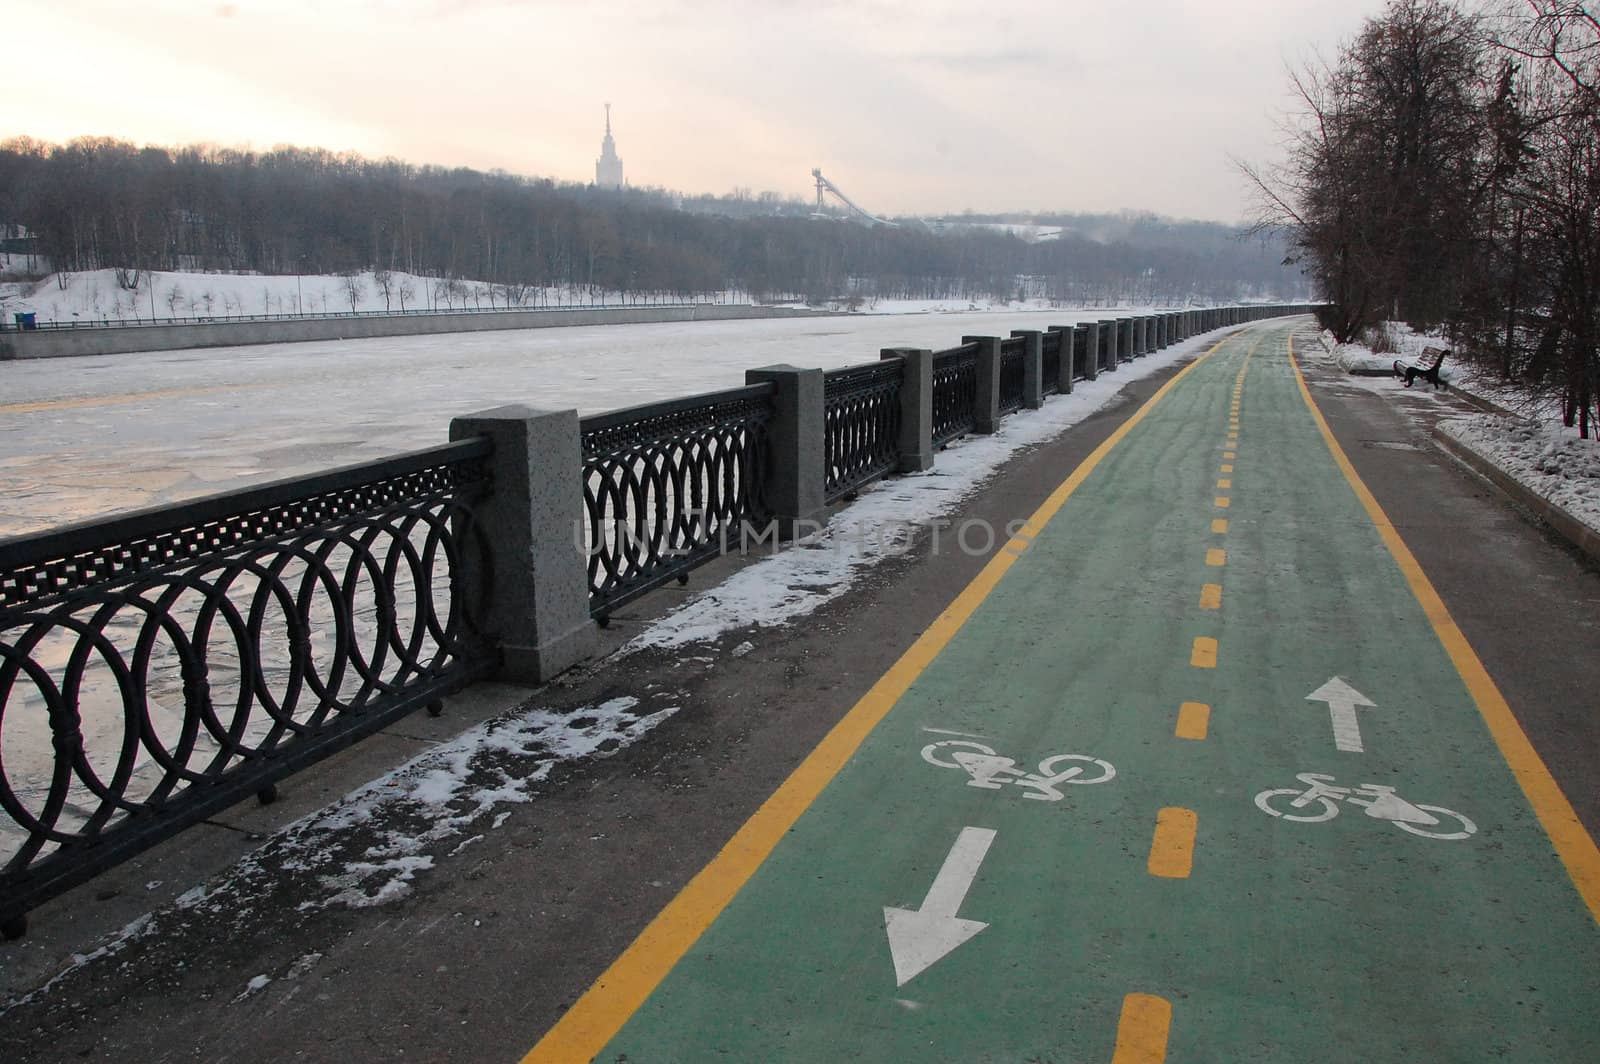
(353,288)
(384,279)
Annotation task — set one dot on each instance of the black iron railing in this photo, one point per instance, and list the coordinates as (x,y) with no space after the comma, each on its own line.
(1081,354)
(1050,362)
(159,667)
(668,487)
(861,424)
(1013,355)
(955,392)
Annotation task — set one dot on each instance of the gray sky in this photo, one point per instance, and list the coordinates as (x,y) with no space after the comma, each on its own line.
(924,106)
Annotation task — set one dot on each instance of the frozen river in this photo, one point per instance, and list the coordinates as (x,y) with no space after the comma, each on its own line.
(89,437)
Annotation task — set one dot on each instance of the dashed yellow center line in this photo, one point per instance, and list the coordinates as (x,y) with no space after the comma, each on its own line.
(1211,596)
(1225,483)
(1219,525)
(1203,655)
(613,998)
(1230,455)
(1142,1030)
(1194,718)
(1172,848)
(1226,468)
(1221,502)
(1216,556)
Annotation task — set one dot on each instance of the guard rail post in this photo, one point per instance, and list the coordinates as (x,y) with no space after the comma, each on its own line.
(916,407)
(986,418)
(1064,371)
(524,577)
(1032,368)
(796,473)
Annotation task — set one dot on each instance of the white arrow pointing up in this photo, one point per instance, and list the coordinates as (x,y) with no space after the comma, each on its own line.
(1342,701)
(919,939)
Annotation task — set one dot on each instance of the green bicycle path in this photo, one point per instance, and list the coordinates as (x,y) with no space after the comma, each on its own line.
(1346,938)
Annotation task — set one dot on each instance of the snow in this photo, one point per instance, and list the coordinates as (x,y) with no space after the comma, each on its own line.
(1409,350)
(1530,444)
(367,848)
(98,297)
(1544,458)
(255,985)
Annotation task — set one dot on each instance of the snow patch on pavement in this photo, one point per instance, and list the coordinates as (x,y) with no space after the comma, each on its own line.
(366,849)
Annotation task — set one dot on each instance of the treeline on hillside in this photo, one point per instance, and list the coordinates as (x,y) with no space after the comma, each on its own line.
(1446,171)
(97,203)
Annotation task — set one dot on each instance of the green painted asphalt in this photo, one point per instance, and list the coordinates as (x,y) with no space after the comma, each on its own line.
(1341,940)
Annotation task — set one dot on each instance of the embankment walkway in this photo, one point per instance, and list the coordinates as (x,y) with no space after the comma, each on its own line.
(1270,736)
(1198,764)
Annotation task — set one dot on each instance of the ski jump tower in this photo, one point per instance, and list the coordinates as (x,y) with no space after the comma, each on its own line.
(824,185)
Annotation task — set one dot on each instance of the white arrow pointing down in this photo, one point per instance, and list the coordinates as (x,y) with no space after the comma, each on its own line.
(918,939)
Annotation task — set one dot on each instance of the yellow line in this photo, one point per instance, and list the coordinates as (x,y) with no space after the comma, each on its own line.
(1204,653)
(1572,843)
(1219,525)
(1216,556)
(1194,718)
(1225,483)
(1172,848)
(1142,1030)
(1220,502)
(1211,596)
(599,1014)
(1230,454)
(1226,468)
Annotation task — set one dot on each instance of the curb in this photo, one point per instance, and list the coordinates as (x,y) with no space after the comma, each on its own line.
(1574,531)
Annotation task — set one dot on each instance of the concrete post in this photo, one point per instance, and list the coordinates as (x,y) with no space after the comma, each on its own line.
(531,593)
(1110,330)
(1032,368)
(796,477)
(1064,374)
(1091,351)
(916,407)
(986,418)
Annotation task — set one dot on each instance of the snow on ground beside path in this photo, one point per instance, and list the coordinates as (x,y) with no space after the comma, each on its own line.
(1535,448)
(366,848)
(1410,350)
(1545,459)
(885,520)
(96,297)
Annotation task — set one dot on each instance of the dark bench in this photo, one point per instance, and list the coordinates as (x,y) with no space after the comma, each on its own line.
(1427,373)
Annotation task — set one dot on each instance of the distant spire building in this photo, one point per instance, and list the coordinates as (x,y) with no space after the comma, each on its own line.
(608,168)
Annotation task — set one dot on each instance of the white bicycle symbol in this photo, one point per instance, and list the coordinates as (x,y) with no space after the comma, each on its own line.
(991,771)
(1320,801)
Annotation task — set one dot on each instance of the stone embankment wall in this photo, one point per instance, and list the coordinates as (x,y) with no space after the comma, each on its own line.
(111,340)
